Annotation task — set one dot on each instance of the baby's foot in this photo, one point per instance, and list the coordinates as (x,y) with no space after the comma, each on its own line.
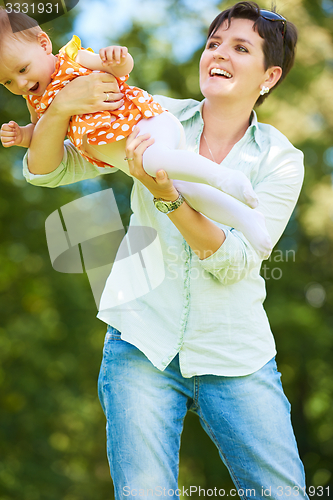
(256,232)
(236,184)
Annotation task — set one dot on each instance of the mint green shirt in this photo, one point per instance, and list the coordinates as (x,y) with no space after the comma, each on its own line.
(209,311)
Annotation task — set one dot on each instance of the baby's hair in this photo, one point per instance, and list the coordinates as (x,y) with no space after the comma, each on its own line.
(17,26)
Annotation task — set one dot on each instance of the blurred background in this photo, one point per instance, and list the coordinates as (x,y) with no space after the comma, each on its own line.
(52,429)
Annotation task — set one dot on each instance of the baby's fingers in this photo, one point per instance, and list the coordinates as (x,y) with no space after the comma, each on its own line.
(8,127)
(107,55)
(8,134)
(123,52)
(103,55)
(7,144)
(117,54)
(7,141)
(110,55)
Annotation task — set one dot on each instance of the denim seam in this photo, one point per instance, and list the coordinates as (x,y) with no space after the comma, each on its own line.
(232,474)
(196,392)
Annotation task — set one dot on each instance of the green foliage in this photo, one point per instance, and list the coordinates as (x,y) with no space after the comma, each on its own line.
(52,427)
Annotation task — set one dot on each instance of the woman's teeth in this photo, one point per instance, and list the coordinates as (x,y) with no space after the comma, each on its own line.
(218,71)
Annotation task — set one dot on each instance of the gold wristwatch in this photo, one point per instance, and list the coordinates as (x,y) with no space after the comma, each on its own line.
(166,207)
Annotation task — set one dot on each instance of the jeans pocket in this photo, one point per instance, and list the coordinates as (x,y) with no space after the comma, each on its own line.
(112,334)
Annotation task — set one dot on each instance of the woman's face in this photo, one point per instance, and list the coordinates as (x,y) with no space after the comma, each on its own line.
(232,64)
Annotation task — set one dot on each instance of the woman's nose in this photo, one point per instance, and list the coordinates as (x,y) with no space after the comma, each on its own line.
(220,53)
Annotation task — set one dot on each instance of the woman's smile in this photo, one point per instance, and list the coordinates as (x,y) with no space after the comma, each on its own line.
(219,72)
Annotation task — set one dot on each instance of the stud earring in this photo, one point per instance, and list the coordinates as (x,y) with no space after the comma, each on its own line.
(264,90)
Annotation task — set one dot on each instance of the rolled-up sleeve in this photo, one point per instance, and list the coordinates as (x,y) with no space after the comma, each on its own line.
(73,168)
(278,185)
(233,260)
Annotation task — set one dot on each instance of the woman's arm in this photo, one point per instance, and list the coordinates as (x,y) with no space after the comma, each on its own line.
(83,95)
(203,236)
(232,259)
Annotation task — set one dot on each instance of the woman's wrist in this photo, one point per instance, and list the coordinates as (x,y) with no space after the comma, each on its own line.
(162,188)
(202,235)
(60,108)
(170,195)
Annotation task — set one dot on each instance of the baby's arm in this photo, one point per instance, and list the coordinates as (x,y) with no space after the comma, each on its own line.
(13,135)
(114,60)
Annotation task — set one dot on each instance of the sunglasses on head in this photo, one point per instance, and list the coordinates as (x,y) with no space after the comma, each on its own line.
(273,16)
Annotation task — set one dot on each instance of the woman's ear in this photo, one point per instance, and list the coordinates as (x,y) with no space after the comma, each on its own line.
(45,42)
(273,75)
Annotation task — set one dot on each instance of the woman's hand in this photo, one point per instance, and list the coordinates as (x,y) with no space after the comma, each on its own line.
(161,186)
(87,94)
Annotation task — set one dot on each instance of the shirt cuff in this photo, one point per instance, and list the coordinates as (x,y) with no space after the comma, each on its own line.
(43,179)
(232,260)
(221,258)
(73,168)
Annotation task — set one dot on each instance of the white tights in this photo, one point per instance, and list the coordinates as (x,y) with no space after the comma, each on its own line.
(219,204)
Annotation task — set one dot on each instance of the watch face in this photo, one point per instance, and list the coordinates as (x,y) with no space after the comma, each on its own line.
(160,205)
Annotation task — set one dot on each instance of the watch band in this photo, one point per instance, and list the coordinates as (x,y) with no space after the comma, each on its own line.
(166,207)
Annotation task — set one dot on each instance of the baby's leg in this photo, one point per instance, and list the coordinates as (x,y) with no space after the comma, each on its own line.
(225,209)
(113,153)
(166,154)
(211,202)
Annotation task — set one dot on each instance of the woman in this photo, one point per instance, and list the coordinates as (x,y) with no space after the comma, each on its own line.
(201,340)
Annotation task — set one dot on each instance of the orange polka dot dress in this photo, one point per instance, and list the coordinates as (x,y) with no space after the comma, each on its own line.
(102,127)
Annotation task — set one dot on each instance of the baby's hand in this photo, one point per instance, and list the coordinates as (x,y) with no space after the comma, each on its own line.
(11,134)
(114,54)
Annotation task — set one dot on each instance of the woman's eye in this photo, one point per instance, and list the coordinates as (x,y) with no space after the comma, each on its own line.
(212,45)
(22,70)
(241,49)
(8,82)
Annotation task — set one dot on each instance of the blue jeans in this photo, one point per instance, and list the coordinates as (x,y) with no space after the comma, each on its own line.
(248,419)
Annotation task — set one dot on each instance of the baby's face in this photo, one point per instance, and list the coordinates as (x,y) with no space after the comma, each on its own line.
(26,66)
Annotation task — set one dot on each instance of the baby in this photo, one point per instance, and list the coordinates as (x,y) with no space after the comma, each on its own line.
(29,68)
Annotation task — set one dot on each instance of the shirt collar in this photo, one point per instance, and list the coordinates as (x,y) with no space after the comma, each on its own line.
(193,108)
(196,108)
(255,130)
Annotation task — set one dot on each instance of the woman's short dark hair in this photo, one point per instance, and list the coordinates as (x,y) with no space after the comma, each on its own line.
(278,50)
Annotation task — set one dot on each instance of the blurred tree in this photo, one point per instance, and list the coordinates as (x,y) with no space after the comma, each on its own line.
(52,428)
